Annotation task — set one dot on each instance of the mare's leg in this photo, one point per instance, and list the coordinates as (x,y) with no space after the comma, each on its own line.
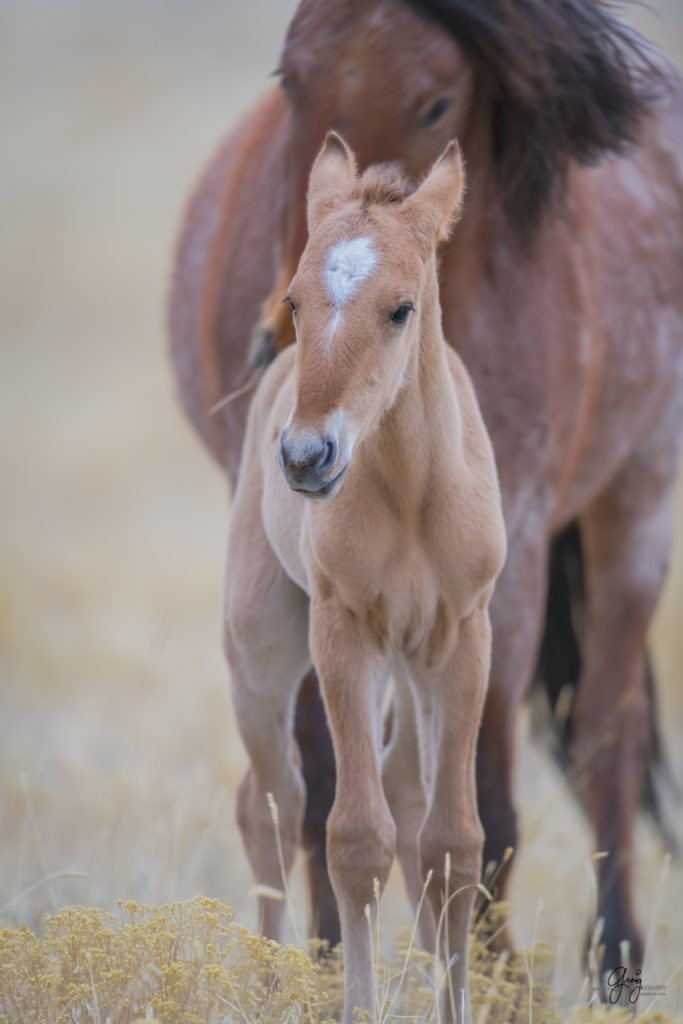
(361,835)
(317,756)
(401,777)
(266,619)
(626,534)
(516,615)
(449,706)
(559,657)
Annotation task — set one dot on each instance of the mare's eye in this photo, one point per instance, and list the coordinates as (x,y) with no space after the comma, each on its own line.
(436,112)
(400,315)
(291,304)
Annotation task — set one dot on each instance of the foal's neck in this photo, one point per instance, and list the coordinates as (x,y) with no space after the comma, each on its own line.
(420,435)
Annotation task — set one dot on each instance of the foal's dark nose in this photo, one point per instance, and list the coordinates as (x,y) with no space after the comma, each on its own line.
(306,460)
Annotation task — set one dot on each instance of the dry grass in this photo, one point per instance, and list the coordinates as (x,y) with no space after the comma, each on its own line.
(118,754)
(183,963)
(194,963)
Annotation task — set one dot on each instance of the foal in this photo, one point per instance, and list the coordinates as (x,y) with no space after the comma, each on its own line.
(379,557)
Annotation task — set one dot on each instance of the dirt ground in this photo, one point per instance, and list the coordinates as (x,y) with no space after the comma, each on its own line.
(118,754)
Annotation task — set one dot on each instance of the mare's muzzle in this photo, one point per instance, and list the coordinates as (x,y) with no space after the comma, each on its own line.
(309,463)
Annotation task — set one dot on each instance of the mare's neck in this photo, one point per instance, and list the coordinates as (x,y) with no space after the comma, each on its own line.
(485,249)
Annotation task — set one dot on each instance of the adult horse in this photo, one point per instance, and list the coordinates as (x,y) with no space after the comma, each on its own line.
(563,290)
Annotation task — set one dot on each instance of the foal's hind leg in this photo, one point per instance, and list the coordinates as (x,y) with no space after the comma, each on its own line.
(626,534)
(516,616)
(318,766)
(266,619)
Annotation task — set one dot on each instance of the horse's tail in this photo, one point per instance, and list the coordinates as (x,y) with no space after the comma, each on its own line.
(559,667)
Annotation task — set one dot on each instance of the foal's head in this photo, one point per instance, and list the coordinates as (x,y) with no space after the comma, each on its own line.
(364,291)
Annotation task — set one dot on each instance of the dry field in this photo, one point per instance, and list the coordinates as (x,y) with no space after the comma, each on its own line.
(118,754)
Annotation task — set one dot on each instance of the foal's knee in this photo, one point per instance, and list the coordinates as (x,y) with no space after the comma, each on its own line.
(257,817)
(440,844)
(359,850)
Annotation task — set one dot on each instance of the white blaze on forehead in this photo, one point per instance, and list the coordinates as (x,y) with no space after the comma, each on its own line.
(348,264)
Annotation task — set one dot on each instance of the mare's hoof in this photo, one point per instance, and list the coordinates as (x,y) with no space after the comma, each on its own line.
(616,961)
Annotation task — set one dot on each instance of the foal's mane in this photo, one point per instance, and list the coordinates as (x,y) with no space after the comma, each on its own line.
(382,185)
(567,80)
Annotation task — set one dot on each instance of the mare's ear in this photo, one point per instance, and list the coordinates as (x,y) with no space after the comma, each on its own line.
(333,176)
(437,203)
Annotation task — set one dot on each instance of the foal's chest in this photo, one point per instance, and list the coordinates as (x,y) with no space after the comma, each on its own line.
(404,597)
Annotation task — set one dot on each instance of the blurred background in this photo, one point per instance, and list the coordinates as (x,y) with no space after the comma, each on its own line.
(118,754)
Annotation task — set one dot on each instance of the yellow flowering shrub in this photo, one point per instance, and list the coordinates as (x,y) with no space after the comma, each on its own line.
(194,963)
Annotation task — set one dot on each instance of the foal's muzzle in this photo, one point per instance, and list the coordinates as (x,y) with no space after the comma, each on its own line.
(310,464)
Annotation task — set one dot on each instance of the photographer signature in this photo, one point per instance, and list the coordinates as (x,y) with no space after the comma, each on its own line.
(619,981)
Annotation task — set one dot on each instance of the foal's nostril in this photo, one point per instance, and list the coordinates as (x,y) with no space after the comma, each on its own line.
(328,457)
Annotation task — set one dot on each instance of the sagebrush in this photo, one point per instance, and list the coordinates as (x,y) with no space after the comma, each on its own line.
(194,963)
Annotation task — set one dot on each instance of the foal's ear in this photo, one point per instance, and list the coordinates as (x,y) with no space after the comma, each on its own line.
(333,176)
(437,203)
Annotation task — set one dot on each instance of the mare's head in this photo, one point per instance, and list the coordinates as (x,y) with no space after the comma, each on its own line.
(526,85)
(363,292)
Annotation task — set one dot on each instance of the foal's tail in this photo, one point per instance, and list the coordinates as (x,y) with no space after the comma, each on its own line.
(559,668)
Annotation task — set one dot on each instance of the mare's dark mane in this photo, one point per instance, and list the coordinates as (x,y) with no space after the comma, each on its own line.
(566,79)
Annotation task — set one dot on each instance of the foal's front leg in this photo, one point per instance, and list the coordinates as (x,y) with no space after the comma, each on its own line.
(361,835)
(449,708)
(405,795)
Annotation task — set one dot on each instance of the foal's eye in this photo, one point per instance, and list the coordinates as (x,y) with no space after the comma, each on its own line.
(291,304)
(436,112)
(400,315)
